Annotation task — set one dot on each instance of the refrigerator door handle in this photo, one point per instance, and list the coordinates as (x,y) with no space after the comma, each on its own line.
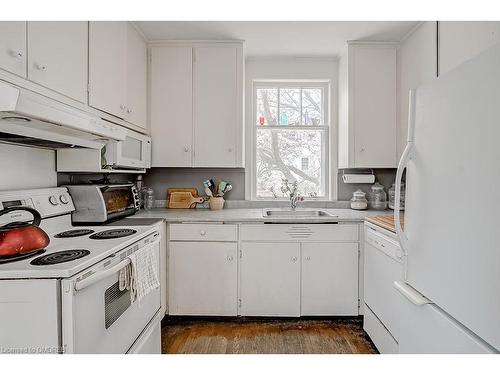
(405,158)
(411,294)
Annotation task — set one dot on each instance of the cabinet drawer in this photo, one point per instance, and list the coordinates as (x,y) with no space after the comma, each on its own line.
(302,232)
(203,232)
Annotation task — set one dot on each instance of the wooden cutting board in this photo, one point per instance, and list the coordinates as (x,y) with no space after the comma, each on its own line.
(193,191)
(183,199)
(385,221)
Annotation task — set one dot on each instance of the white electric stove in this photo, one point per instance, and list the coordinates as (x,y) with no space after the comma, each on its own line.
(65,298)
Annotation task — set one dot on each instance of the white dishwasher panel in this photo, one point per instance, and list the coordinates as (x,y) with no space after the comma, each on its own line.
(383,267)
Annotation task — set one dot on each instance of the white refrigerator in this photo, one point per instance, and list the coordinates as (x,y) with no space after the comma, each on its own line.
(451,235)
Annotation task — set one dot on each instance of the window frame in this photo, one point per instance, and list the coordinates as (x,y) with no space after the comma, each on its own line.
(325,129)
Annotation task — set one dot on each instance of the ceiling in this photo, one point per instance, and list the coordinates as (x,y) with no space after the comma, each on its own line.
(280,38)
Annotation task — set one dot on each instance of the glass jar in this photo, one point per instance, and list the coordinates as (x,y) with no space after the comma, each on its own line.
(377,198)
(358,200)
(148,198)
(392,197)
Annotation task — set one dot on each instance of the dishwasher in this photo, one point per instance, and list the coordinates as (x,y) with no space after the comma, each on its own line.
(383,266)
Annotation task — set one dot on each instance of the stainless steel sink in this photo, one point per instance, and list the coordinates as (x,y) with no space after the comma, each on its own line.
(268,212)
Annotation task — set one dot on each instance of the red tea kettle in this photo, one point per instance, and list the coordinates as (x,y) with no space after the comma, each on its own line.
(21,237)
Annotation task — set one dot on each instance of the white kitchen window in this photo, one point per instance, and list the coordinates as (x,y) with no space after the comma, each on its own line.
(291,123)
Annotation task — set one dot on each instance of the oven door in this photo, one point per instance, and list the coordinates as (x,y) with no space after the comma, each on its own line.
(134,152)
(99,318)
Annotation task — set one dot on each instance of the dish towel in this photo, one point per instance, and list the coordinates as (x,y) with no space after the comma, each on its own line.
(125,278)
(144,264)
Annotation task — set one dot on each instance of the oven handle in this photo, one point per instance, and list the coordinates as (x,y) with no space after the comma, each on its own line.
(79,285)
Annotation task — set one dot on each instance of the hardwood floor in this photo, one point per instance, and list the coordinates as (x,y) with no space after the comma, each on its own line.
(244,336)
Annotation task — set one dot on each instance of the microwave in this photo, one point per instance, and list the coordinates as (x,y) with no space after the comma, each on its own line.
(132,153)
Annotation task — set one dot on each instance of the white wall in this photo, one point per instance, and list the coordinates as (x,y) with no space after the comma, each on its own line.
(26,167)
(290,68)
(417,60)
(461,40)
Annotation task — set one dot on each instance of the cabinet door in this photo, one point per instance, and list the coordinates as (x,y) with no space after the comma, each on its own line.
(374,106)
(270,279)
(13,47)
(329,279)
(108,66)
(203,278)
(215,106)
(171,106)
(58,57)
(136,78)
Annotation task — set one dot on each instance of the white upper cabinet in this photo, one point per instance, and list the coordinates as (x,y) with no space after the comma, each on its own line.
(171,106)
(58,57)
(217,107)
(13,47)
(137,70)
(367,110)
(108,67)
(118,71)
(196,104)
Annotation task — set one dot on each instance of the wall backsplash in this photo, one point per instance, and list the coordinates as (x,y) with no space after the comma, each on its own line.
(26,167)
(160,179)
(384,176)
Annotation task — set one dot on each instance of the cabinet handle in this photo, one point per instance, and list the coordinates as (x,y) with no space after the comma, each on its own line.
(18,55)
(229,258)
(294,259)
(40,67)
(203,232)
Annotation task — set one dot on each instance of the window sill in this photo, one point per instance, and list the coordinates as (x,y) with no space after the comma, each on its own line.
(260,203)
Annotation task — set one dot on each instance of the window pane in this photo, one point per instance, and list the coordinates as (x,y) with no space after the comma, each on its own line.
(267,107)
(312,100)
(289,106)
(292,154)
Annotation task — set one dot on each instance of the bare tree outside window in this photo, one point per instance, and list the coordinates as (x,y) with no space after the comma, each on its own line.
(290,129)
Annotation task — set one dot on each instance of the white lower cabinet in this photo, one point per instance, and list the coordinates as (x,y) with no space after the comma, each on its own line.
(329,279)
(203,278)
(282,270)
(270,279)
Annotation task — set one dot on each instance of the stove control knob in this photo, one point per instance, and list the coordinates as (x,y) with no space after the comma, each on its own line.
(53,200)
(63,199)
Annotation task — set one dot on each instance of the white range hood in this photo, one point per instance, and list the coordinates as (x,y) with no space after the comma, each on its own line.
(35,120)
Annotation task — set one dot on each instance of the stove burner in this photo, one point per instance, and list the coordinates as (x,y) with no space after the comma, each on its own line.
(74,233)
(112,233)
(15,258)
(60,257)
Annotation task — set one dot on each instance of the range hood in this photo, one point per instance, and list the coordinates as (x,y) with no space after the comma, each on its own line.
(34,120)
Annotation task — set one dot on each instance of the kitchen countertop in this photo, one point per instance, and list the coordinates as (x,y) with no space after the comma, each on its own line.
(253,215)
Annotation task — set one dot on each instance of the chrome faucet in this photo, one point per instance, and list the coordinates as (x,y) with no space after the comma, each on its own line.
(294,200)
(292,191)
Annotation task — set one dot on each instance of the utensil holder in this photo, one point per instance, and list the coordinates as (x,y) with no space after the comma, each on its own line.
(216,203)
